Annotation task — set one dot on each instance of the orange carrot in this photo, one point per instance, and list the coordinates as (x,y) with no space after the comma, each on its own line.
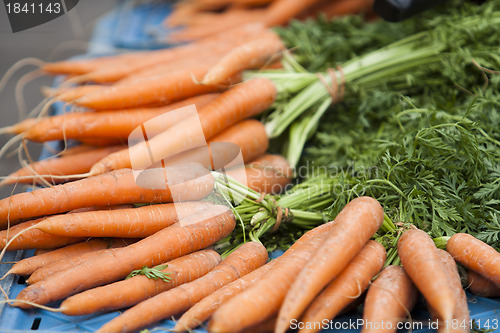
(262,300)
(131,291)
(281,11)
(242,101)
(200,231)
(112,124)
(461,319)
(189,183)
(267,174)
(421,261)
(123,67)
(33,239)
(389,300)
(29,265)
(68,164)
(347,287)
(70,94)
(202,310)
(481,286)
(475,255)
(127,223)
(248,136)
(245,259)
(80,66)
(251,55)
(355,225)
(47,270)
(225,23)
(167,88)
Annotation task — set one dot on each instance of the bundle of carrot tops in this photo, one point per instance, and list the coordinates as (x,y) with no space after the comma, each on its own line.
(166,190)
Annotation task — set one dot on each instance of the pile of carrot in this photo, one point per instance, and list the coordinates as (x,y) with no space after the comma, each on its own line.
(127,219)
(201,18)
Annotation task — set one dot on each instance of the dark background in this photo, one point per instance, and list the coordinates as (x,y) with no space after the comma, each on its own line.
(55,40)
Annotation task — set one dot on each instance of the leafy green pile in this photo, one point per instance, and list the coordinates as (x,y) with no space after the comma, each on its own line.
(430,152)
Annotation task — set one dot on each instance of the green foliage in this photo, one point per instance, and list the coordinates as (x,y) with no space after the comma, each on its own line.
(153,273)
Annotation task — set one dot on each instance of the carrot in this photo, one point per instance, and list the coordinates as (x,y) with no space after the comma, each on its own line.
(223,42)
(202,310)
(200,231)
(127,223)
(461,318)
(70,94)
(245,259)
(347,287)
(225,23)
(421,261)
(262,299)
(80,66)
(475,255)
(20,127)
(336,8)
(267,174)
(45,271)
(281,11)
(33,239)
(251,55)
(241,102)
(266,326)
(171,87)
(29,265)
(66,165)
(248,136)
(481,286)
(389,300)
(189,183)
(131,291)
(112,124)
(355,225)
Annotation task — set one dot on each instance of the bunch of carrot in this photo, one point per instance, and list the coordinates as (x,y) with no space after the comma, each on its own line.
(202,18)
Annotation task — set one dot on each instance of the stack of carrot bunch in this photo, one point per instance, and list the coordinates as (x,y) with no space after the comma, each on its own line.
(155,90)
(203,18)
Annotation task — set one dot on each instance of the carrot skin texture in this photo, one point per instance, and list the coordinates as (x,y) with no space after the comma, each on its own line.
(29,265)
(355,225)
(64,165)
(390,299)
(114,188)
(169,243)
(475,255)
(421,261)
(202,310)
(245,259)
(242,101)
(263,299)
(349,285)
(481,286)
(461,317)
(58,266)
(137,222)
(131,291)
(33,239)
